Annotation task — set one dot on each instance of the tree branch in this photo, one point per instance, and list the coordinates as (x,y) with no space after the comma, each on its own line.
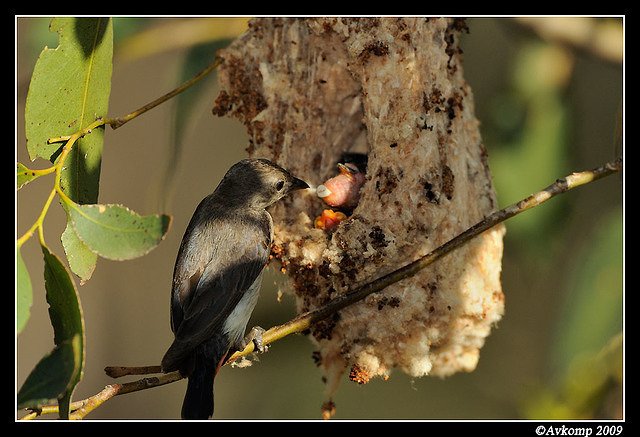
(82,408)
(306,320)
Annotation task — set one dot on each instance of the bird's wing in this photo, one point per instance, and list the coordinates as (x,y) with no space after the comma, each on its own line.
(210,293)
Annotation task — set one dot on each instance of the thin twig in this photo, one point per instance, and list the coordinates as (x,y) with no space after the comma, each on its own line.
(82,408)
(112,390)
(119,371)
(119,121)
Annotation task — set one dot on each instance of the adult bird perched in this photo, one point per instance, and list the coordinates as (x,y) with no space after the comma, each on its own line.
(218,274)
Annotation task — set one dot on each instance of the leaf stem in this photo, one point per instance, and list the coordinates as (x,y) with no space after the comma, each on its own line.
(59,139)
(38,223)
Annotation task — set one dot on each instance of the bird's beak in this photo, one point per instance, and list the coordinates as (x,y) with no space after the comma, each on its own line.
(348,169)
(298,184)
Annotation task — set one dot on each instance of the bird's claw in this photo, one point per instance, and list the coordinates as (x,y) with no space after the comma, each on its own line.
(255,336)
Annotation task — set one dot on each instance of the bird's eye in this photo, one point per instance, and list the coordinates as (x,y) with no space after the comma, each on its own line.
(280,185)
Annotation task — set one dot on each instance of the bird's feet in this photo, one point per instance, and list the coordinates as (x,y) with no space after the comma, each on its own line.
(255,336)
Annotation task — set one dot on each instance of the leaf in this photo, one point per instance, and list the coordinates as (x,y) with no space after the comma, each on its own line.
(62,296)
(82,261)
(69,89)
(115,232)
(57,374)
(24,293)
(50,378)
(24,175)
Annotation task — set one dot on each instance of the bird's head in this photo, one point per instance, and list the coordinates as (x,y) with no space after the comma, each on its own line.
(258,183)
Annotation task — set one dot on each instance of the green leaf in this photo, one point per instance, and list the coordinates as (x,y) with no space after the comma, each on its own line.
(24,293)
(50,378)
(115,232)
(24,175)
(64,305)
(69,89)
(57,374)
(82,261)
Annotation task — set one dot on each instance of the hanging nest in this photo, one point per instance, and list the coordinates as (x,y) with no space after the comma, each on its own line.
(386,95)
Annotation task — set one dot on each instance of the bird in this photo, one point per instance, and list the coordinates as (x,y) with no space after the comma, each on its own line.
(342,191)
(218,275)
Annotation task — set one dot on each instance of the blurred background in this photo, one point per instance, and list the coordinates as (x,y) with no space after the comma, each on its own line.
(549,105)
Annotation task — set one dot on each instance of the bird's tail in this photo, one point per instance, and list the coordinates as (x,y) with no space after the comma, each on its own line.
(198,400)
